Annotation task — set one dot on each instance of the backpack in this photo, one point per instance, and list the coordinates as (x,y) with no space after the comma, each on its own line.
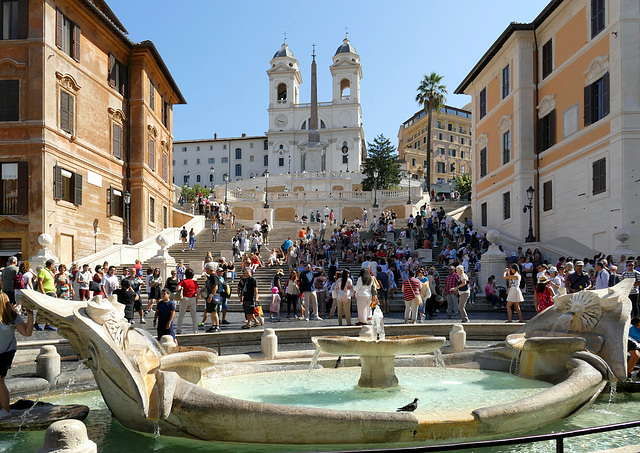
(224,290)
(18,282)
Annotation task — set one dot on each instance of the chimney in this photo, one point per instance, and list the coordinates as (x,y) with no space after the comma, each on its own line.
(215,135)
(244,135)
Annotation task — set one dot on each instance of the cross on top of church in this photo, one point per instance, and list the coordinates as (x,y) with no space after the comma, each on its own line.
(314,51)
(285,36)
(346,32)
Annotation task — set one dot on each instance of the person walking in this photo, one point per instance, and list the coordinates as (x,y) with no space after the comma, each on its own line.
(464,291)
(165,312)
(249,292)
(514,296)
(215,228)
(543,295)
(450,284)
(183,237)
(154,288)
(343,291)
(189,301)
(192,239)
(412,299)
(292,292)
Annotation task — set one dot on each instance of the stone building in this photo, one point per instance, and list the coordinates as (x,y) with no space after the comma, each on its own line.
(450,144)
(85,119)
(556,105)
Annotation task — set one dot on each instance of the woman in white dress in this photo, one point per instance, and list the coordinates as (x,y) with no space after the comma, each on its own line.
(514,296)
(365,291)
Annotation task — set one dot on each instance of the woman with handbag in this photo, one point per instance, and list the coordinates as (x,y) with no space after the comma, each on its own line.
(412,298)
(464,291)
(344,288)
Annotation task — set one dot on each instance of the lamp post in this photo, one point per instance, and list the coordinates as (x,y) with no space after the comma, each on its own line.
(266,189)
(375,188)
(211,173)
(347,162)
(530,192)
(188,178)
(409,176)
(126,196)
(226,181)
(289,163)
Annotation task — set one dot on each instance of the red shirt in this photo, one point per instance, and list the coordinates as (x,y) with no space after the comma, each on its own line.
(451,282)
(190,287)
(410,288)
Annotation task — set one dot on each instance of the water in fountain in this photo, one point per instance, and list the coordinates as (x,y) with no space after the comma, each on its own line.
(613,387)
(439,359)
(515,361)
(314,360)
(72,379)
(378,324)
(156,429)
(25,414)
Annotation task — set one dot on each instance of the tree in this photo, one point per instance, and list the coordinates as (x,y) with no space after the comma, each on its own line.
(381,156)
(431,96)
(463,184)
(191,193)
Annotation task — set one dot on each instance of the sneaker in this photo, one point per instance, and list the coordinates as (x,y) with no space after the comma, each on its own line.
(49,328)
(318,318)
(37,327)
(4,414)
(142,321)
(224,321)
(306,319)
(216,328)
(132,322)
(201,324)
(210,329)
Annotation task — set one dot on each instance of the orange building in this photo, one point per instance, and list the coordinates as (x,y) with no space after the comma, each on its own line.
(85,118)
(555,107)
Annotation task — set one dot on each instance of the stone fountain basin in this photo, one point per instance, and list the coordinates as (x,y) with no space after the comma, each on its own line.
(390,346)
(568,344)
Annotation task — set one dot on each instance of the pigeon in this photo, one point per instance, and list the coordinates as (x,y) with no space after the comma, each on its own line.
(409,407)
(338,361)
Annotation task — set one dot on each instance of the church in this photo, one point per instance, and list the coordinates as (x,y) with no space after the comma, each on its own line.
(311,137)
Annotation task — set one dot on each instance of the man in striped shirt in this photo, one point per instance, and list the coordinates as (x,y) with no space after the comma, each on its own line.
(450,284)
(411,293)
(630,272)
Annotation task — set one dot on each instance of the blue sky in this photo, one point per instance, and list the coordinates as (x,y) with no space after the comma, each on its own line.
(218,52)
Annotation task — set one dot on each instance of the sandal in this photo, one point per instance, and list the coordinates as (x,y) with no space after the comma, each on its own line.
(245,326)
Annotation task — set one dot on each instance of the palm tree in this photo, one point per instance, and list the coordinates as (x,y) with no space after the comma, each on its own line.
(430,95)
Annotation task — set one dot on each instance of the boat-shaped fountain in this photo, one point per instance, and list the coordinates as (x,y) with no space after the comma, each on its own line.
(147,387)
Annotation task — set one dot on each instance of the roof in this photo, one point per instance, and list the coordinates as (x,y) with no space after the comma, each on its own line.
(102,5)
(346,47)
(165,71)
(502,39)
(284,51)
(226,139)
(445,110)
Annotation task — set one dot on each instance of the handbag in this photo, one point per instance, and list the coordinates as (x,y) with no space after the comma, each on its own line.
(179,295)
(94,286)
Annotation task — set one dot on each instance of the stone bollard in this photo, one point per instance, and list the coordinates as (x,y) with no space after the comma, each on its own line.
(67,436)
(167,342)
(457,338)
(366,332)
(269,344)
(48,363)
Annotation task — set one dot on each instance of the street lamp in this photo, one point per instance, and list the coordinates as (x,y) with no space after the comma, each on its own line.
(226,181)
(289,163)
(126,196)
(375,188)
(347,162)
(409,176)
(530,192)
(211,172)
(188,178)
(266,189)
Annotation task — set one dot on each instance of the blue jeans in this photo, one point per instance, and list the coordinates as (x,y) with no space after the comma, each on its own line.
(192,242)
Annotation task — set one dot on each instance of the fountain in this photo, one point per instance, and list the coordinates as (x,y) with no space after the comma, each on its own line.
(152,388)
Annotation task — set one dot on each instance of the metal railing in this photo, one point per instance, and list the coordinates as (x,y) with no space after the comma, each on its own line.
(557,437)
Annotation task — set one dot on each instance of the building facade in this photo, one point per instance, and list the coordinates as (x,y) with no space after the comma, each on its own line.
(450,144)
(556,106)
(85,119)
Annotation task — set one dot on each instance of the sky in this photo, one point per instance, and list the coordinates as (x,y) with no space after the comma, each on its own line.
(218,52)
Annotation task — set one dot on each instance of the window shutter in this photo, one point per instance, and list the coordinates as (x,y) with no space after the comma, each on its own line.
(4,99)
(59,23)
(112,71)
(78,189)
(70,105)
(76,42)
(64,111)
(123,89)
(13,100)
(23,19)
(57,182)
(539,135)
(112,201)
(587,105)
(23,188)
(605,94)
(552,128)
(117,141)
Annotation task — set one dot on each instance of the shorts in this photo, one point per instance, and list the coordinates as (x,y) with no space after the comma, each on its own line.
(213,306)
(247,307)
(632,345)
(6,359)
(222,306)
(137,305)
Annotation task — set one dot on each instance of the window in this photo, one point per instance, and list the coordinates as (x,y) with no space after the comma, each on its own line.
(67,104)
(184,149)
(152,154)
(165,217)
(250,145)
(506,205)
(461,129)
(185,178)
(506,82)
(345,159)
(462,140)
(417,145)
(166,110)
(197,161)
(197,148)
(282,93)
(14,16)
(547,59)
(452,168)
(440,167)
(152,209)
(174,162)
(152,96)
(449,127)
(483,103)
(184,162)
(238,154)
(211,160)
(483,162)
(211,177)
(198,179)
(547,131)
(451,138)
(117,75)
(238,170)
(67,185)
(506,147)
(67,36)
(210,147)
(461,154)
(440,136)
(116,202)
(117,141)
(547,196)
(165,167)
(266,145)
(224,146)
(597,17)
(596,100)
(265,160)
(452,152)
(413,162)
(280,161)
(14,188)
(250,158)
(599,176)
(441,151)
(483,214)
(462,169)
(9,100)
(225,160)
(440,125)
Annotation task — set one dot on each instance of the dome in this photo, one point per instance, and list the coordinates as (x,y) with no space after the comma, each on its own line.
(346,47)
(284,52)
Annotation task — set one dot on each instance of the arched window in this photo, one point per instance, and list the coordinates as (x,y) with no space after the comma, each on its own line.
(308,123)
(345,89)
(197,178)
(282,92)
(238,170)
(186,180)
(211,177)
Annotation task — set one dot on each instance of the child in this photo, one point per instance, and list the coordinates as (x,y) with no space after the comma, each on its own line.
(633,346)
(165,311)
(275,303)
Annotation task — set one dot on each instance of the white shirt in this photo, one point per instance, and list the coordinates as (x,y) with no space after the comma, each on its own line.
(110,284)
(83,279)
